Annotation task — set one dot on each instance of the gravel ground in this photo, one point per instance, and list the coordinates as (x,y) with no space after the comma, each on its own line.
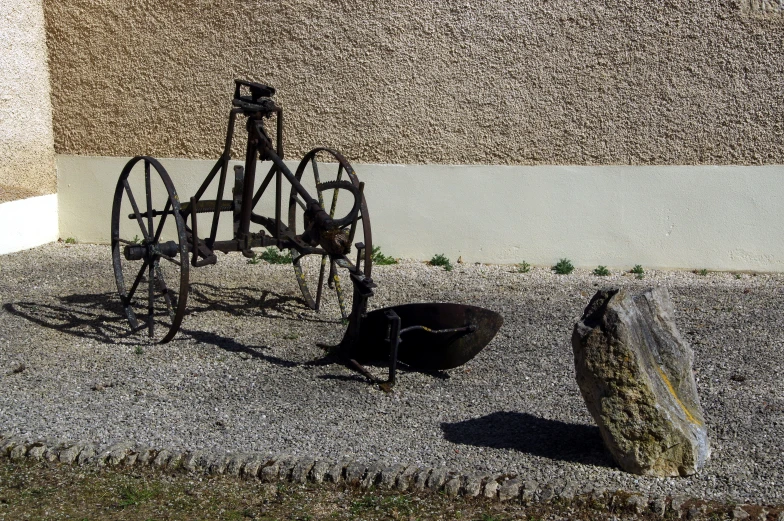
(239,376)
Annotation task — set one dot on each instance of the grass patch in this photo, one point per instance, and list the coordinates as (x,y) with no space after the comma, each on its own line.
(379,259)
(601,271)
(637,271)
(441,260)
(702,272)
(131,496)
(272,255)
(70,240)
(563,267)
(523,267)
(38,490)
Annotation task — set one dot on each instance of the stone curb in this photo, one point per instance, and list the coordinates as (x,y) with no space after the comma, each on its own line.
(304,469)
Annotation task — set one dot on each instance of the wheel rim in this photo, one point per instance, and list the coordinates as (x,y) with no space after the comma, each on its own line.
(319,277)
(147,224)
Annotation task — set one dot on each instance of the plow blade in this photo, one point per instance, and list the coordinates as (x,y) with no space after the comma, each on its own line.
(428,339)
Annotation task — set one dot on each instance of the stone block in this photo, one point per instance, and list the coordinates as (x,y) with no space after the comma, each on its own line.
(634,371)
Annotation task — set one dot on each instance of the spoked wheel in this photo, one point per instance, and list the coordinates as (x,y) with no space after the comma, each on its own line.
(321,279)
(149,249)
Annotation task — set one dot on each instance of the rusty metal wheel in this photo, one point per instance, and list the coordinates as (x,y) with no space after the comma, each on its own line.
(319,171)
(149,249)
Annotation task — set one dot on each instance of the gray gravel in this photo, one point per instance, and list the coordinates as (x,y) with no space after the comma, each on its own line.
(239,378)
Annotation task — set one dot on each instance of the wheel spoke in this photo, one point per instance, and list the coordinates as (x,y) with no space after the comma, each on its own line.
(171,259)
(339,290)
(167,296)
(136,212)
(335,193)
(321,280)
(318,181)
(136,283)
(150,293)
(147,184)
(300,203)
(163,220)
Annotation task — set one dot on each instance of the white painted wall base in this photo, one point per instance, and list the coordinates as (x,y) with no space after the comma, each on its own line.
(714,217)
(27,223)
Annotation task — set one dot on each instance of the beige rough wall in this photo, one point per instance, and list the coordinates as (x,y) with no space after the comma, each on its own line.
(418,81)
(26,142)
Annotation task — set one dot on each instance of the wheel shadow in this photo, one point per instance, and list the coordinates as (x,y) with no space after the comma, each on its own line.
(250,302)
(100,316)
(523,432)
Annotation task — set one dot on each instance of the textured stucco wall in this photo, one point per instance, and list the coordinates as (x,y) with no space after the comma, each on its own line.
(26,143)
(416,81)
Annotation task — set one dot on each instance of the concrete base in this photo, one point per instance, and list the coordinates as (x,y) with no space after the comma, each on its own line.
(687,217)
(27,223)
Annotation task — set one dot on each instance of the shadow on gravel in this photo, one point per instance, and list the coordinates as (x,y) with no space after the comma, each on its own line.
(95,316)
(527,433)
(247,301)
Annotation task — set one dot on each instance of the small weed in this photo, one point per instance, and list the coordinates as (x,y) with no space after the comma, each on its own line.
(738,276)
(523,267)
(290,336)
(441,260)
(70,240)
(601,271)
(130,496)
(136,240)
(274,256)
(564,267)
(139,350)
(254,260)
(637,271)
(379,259)
(702,272)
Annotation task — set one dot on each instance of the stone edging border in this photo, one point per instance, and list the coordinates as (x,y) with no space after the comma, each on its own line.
(306,469)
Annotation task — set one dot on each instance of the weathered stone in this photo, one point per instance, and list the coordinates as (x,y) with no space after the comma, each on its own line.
(161,458)
(268,473)
(18,452)
(286,464)
(252,466)
(437,479)
(130,459)
(406,478)
(528,494)
(217,464)
(510,489)
(176,460)
(192,462)
(491,489)
(302,469)
(636,503)
(389,476)
(677,505)
(112,455)
(69,454)
(421,478)
(635,373)
(319,471)
(336,472)
(739,513)
(453,485)
(235,464)
(354,473)
(659,506)
(36,452)
(52,452)
(9,443)
(146,456)
(372,476)
(472,485)
(547,493)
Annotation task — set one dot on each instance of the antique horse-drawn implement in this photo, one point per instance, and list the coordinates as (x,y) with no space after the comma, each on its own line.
(155,240)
